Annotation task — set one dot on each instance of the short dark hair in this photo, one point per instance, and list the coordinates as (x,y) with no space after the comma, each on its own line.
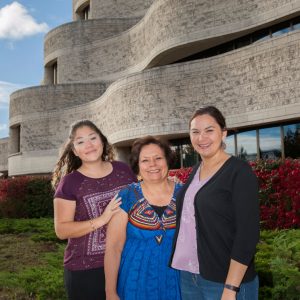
(211,111)
(148,140)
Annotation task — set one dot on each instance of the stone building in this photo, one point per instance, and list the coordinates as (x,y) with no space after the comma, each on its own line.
(139,67)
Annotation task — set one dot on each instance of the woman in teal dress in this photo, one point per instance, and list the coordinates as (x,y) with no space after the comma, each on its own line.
(139,237)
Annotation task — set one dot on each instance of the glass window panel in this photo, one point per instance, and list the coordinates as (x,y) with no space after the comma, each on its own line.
(189,156)
(246,145)
(270,143)
(177,161)
(261,35)
(226,47)
(281,29)
(296,26)
(292,140)
(243,41)
(296,23)
(230,148)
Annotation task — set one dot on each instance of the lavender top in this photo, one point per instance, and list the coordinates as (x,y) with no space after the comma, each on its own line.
(185,257)
(92,196)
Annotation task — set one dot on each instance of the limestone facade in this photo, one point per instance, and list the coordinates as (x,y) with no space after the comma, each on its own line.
(115,70)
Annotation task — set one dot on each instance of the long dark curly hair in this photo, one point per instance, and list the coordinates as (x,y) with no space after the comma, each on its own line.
(68,161)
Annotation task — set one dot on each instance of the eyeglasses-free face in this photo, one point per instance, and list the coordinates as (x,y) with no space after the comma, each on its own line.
(153,165)
(87,144)
(206,135)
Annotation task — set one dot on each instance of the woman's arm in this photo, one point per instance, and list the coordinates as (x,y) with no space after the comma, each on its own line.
(246,211)
(115,240)
(66,227)
(234,278)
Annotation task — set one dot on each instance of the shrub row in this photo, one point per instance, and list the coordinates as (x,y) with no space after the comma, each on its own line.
(26,197)
(279,191)
(279,194)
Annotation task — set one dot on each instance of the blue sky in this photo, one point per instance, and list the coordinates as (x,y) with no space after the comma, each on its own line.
(23,25)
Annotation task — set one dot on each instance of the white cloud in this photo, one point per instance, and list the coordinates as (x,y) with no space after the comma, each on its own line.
(3,127)
(6,88)
(16,22)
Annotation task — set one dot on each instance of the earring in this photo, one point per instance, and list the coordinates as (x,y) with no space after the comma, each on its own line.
(223,145)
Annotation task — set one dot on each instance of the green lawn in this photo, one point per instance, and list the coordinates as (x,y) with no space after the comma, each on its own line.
(31,262)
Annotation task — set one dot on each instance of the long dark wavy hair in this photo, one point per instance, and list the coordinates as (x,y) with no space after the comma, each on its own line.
(68,161)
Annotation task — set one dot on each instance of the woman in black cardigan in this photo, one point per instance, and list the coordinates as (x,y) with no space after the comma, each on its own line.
(217,218)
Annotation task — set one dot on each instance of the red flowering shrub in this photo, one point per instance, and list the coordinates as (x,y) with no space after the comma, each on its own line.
(182,174)
(279,191)
(26,197)
(12,193)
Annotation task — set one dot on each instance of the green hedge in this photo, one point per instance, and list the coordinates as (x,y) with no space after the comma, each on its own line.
(278,264)
(38,272)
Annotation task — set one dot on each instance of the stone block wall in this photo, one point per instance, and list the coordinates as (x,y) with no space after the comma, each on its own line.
(168,24)
(119,8)
(254,85)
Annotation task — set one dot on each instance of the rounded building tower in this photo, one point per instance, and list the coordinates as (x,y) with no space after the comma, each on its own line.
(138,67)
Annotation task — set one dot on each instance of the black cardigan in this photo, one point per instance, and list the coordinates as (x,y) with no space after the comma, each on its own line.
(227,220)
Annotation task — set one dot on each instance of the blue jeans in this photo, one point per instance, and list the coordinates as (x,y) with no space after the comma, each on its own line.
(195,287)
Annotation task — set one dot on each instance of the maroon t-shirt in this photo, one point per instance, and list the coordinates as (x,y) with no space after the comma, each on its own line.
(92,196)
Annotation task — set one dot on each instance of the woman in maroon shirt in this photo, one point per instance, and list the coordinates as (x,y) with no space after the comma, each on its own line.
(86,181)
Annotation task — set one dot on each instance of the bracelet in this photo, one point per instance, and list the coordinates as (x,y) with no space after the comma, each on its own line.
(232,287)
(92,225)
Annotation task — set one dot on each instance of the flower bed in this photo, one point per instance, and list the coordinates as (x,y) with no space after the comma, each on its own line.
(279,191)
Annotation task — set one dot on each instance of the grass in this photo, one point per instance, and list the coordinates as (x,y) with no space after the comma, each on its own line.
(30,260)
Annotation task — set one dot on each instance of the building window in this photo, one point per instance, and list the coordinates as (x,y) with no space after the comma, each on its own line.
(54,72)
(270,143)
(292,140)
(282,141)
(185,156)
(257,36)
(296,23)
(84,12)
(247,145)
(231,144)
(280,29)
(15,135)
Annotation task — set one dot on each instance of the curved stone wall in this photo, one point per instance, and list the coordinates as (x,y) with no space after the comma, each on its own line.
(254,85)
(168,24)
(3,154)
(46,99)
(120,8)
(114,9)
(80,33)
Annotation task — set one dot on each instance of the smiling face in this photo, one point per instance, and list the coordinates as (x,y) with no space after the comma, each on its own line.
(206,136)
(153,165)
(87,145)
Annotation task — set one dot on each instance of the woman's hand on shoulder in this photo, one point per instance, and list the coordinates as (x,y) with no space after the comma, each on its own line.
(111,209)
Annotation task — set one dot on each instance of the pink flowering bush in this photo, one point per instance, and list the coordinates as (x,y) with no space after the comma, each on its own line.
(279,191)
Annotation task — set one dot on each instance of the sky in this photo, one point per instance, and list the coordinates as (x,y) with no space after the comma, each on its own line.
(23,25)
